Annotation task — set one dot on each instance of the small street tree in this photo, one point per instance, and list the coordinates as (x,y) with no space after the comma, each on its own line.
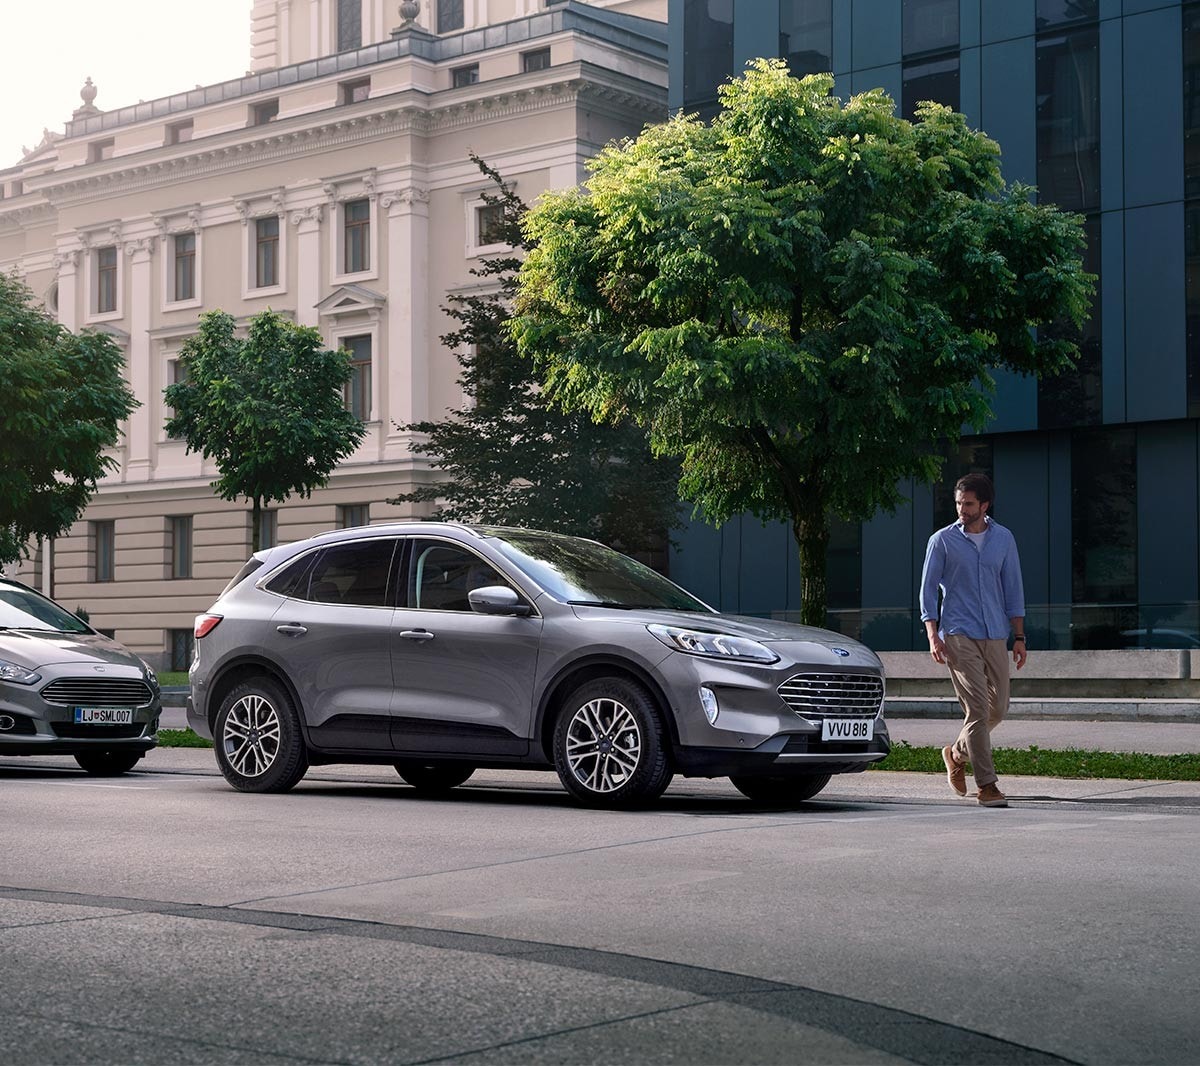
(64,399)
(800,299)
(514,458)
(267,408)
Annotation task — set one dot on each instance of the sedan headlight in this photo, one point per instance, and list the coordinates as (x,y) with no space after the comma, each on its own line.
(18,675)
(713,645)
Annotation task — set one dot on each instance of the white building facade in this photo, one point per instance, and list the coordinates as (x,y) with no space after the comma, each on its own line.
(333,184)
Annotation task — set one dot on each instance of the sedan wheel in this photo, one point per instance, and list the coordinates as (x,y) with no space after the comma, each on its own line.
(108,763)
(783,790)
(609,748)
(258,743)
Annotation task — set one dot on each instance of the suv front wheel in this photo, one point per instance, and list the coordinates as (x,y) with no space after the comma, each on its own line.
(257,738)
(609,747)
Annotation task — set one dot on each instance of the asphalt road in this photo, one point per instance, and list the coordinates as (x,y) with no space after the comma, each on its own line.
(162,917)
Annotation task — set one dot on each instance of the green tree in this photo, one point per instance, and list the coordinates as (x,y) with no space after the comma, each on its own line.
(800,299)
(267,408)
(63,403)
(512,458)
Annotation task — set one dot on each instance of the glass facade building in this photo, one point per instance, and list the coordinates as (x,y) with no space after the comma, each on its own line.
(1097,104)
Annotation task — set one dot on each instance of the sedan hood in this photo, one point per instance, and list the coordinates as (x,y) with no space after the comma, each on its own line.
(33,649)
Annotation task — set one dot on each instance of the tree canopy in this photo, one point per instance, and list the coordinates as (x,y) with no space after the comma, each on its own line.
(800,299)
(511,457)
(64,401)
(267,408)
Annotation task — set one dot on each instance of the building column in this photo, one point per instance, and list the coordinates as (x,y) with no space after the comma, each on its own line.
(408,351)
(67,264)
(141,287)
(307,221)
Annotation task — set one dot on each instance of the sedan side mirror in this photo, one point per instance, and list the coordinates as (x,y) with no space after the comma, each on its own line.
(497,599)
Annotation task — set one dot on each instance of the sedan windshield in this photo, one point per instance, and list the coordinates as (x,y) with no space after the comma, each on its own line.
(22,608)
(586,573)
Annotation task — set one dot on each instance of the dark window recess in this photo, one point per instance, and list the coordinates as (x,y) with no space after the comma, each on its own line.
(180,132)
(462,76)
(104,545)
(101,150)
(353,514)
(489,224)
(349,25)
(930,79)
(106,280)
(1074,398)
(353,92)
(358,388)
(971,455)
(707,53)
(181,546)
(182,643)
(268,529)
(1051,13)
(177,372)
(354,575)
(539,59)
(929,26)
(185,266)
(1104,533)
(356,221)
(261,114)
(806,35)
(266,252)
(449,15)
(1068,119)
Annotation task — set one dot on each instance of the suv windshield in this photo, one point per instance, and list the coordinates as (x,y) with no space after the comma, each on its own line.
(22,608)
(584,572)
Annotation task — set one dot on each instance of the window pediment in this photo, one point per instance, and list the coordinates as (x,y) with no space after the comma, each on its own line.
(351,300)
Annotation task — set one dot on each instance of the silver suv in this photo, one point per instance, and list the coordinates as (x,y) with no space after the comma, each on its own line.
(441,648)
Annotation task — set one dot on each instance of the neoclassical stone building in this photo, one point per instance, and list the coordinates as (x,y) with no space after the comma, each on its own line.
(332,183)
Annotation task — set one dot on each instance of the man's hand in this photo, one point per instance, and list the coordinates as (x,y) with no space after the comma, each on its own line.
(937,648)
(1019,653)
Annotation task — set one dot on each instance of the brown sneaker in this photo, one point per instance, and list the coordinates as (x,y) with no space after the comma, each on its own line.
(955,773)
(991,796)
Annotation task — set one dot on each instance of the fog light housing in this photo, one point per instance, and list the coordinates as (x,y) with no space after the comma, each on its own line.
(708,700)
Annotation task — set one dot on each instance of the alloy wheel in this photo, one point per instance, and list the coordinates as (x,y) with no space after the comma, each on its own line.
(604,745)
(251,736)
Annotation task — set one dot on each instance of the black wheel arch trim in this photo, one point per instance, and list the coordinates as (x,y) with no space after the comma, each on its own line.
(220,684)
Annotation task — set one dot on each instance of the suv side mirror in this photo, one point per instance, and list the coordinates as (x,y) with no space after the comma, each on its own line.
(497,599)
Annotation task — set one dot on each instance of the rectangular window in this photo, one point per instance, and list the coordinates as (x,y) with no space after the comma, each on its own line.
(930,79)
(177,372)
(449,15)
(352,92)
(100,150)
(106,279)
(356,222)
(707,52)
(180,132)
(536,60)
(261,114)
(104,540)
(268,529)
(266,252)
(930,26)
(353,514)
(1068,119)
(185,266)
(489,224)
(181,546)
(1191,100)
(461,76)
(806,35)
(1062,12)
(1104,516)
(349,25)
(358,388)
(183,641)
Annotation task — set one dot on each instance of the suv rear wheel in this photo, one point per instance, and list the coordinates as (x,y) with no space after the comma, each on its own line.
(257,738)
(609,747)
(784,790)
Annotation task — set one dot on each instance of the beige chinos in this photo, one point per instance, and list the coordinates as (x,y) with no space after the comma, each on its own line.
(979,671)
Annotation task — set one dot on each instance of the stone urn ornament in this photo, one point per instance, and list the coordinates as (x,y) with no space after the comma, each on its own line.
(409,10)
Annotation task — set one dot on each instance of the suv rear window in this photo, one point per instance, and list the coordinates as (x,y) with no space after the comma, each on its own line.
(248,568)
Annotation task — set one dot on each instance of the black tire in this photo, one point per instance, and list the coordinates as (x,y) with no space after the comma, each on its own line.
(783,790)
(108,763)
(257,738)
(434,778)
(610,747)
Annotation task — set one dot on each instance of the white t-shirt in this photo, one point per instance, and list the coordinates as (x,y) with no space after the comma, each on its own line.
(977,539)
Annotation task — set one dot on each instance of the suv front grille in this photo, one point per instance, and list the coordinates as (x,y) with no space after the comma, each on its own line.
(833,694)
(98,692)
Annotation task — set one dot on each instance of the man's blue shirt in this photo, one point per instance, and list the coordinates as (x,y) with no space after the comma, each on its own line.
(981,587)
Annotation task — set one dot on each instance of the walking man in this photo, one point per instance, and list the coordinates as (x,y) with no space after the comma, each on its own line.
(973,564)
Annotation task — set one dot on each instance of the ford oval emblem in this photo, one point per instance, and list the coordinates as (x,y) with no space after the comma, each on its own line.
(842,652)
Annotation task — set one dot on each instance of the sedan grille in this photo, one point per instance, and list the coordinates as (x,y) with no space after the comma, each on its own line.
(98,692)
(833,694)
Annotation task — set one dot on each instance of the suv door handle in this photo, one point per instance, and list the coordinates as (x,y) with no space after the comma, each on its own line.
(416,634)
(292,629)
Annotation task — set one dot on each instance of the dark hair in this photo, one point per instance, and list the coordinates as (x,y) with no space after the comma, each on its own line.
(979,484)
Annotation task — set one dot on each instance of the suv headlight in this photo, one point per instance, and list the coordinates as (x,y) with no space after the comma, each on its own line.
(713,645)
(18,675)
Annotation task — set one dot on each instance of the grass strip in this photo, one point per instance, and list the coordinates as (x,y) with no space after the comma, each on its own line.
(181,738)
(1068,762)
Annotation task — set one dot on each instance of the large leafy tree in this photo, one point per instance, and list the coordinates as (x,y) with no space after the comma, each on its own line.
(64,398)
(513,458)
(267,407)
(800,299)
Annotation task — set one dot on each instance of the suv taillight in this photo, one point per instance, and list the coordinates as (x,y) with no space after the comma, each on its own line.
(205,624)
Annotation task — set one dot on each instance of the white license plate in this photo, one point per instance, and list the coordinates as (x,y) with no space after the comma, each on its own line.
(862,729)
(104,715)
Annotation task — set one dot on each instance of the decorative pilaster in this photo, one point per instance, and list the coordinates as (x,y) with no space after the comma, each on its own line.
(66,262)
(307,221)
(140,440)
(407,347)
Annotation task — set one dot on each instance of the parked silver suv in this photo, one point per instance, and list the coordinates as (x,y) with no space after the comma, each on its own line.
(441,648)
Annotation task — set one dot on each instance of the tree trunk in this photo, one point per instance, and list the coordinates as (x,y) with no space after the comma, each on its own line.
(255,524)
(812,538)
